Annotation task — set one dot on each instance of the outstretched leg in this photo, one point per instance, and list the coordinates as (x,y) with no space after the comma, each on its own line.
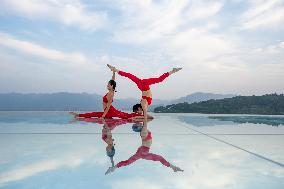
(151,81)
(155,157)
(127,162)
(130,76)
(109,114)
(125,74)
(87,115)
(122,115)
(91,114)
(143,84)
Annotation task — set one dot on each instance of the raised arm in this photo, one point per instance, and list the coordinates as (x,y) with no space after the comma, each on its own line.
(113,75)
(144,105)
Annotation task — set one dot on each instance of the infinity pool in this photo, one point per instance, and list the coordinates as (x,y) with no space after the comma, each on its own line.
(51,150)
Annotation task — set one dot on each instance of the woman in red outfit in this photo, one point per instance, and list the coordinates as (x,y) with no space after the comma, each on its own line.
(143,151)
(144,85)
(109,110)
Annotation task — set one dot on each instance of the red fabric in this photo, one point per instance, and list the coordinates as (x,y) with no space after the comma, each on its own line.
(144,84)
(110,123)
(105,99)
(143,153)
(104,137)
(149,99)
(148,137)
(112,112)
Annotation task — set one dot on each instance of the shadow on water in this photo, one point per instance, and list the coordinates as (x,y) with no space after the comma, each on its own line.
(143,151)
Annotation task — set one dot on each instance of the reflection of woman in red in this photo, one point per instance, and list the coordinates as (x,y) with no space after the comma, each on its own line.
(143,151)
(108,126)
(144,85)
(109,110)
(107,138)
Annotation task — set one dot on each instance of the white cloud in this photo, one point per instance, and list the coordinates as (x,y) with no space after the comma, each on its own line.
(46,158)
(264,14)
(33,169)
(38,50)
(139,183)
(269,49)
(199,45)
(203,9)
(156,20)
(152,21)
(70,13)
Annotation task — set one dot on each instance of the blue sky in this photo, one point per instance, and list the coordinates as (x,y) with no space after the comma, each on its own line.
(233,46)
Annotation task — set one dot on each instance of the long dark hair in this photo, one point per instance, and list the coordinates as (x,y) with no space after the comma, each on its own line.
(136,107)
(113,84)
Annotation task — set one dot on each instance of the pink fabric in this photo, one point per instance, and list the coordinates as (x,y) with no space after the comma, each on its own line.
(143,153)
(149,136)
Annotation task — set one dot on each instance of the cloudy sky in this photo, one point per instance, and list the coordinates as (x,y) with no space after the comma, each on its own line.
(224,46)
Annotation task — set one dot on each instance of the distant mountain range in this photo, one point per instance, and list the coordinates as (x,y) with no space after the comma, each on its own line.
(199,96)
(64,101)
(194,97)
(270,104)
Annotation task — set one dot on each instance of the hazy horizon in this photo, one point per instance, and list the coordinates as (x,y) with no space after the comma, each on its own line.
(138,97)
(224,46)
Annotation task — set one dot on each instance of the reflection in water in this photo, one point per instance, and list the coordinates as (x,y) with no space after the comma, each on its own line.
(74,156)
(108,126)
(274,121)
(143,151)
(200,121)
(34,117)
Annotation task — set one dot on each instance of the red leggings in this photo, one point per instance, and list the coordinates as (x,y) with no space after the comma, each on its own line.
(144,84)
(112,112)
(143,153)
(110,123)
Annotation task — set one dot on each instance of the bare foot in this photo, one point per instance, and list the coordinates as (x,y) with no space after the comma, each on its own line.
(74,114)
(176,169)
(112,68)
(110,170)
(175,70)
(73,121)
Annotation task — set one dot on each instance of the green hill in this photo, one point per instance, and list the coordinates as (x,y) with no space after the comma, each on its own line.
(267,104)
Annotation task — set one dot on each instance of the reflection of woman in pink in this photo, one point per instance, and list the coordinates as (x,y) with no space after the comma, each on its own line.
(143,151)
(109,110)
(144,85)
